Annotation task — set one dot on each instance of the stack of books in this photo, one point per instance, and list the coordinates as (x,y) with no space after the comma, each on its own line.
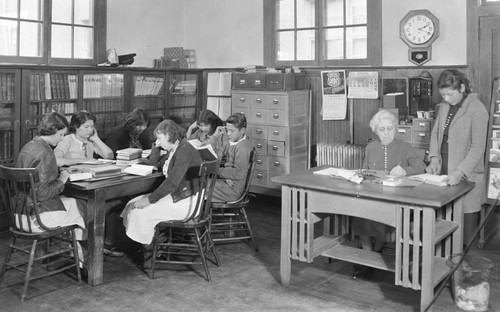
(141,170)
(105,171)
(128,154)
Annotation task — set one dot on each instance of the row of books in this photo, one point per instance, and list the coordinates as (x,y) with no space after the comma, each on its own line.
(102,85)
(7,87)
(148,103)
(184,86)
(103,105)
(53,86)
(220,106)
(47,107)
(148,85)
(219,84)
(6,144)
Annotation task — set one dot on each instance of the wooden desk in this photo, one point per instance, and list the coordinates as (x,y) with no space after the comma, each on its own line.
(428,222)
(96,194)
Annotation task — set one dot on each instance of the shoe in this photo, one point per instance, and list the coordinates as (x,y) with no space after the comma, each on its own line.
(362,272)
(112,251)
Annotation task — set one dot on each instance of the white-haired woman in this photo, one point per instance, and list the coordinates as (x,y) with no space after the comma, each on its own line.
(397,158)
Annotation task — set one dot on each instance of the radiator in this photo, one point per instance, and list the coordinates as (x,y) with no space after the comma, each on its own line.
(347,156)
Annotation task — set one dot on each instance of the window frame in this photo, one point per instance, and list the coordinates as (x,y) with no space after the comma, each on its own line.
(374,38)
(99,32)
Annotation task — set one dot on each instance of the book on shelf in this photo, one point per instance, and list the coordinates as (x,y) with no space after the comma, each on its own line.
(128,153)
(207,152)
(428,178)
(138,169)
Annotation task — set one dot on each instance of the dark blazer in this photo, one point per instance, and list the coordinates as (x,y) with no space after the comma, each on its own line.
(183,174)
(119,138)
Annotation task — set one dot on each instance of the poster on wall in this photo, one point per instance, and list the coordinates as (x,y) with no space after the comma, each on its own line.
(334,94)
(494,183)
(363,85)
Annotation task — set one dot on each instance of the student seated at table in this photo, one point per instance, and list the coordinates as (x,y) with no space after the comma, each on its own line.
(82,143)
(56,210)
(203,128)
(234,148)
(176,197)
(397,158)
(133,133)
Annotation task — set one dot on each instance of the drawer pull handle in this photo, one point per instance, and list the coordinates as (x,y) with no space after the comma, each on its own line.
(275,147)
(276,132)
(258,115)
(243,82)
(259,145)
(276,163)
(259,176)
(421,134)
(421,124)
(258,100)
(402,130)
(242,99)
(242,113)
(259,131)
(276,116)
(259,162)
(276,101)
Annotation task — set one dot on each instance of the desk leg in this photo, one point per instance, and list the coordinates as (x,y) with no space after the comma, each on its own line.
(95,227)
(285,262)
(428,250)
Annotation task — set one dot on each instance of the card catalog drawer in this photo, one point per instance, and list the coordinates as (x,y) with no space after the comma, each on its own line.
(258,116)
(421,137)
(261,146)
(285,81)
(277,133)
(244,111)
(259,101)
(260,177)
(276,148)
(257,132)
(277,117)
(276,101)
(262,162)
(279,164)
(404,133)
(421,125)
(241,100)
(242,81)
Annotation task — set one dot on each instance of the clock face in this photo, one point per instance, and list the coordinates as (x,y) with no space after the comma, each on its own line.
(419,29)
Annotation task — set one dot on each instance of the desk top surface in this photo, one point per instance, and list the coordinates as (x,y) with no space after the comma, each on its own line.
(121,179)
(424,194)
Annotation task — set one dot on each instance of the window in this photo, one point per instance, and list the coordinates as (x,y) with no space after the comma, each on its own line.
(322,32)
(52,31)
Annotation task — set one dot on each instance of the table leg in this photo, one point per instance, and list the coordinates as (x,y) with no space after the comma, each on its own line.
(428,250)
(285,262)
(95,227)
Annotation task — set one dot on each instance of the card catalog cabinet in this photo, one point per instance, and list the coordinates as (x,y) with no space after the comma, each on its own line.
(278,126)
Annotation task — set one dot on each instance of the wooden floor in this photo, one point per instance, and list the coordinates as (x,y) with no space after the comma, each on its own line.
(245,281)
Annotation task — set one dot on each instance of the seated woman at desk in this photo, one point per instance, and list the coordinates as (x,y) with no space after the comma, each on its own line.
(175,198)
(56,210)
(394,156)
(204,127)
(82,142)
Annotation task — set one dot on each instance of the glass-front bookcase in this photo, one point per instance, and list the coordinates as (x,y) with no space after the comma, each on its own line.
(185,95)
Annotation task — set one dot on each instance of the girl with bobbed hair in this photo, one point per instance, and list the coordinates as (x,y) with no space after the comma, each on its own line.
(204,127)
(83,142)
(175,198)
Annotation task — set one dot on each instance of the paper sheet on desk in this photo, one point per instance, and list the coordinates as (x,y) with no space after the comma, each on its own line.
(351,175)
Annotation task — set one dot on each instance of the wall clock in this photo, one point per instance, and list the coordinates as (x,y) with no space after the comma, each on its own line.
(419,29)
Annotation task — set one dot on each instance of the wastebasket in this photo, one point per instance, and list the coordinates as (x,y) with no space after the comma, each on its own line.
(471,282)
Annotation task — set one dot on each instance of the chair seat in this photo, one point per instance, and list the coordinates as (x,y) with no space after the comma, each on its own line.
(220,205)
(184,225)
(41,235)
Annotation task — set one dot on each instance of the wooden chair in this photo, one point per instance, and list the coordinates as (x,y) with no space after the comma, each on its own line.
(189,239)
(229,219)
(18,193)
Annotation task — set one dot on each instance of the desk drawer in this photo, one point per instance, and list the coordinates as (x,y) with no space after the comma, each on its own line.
(258,132)
(421,137)
(276,148)
(260,146)
(260,177)
(258,116)
(279,164)
(277,133)
(262,162)
(422,125)
(404,133)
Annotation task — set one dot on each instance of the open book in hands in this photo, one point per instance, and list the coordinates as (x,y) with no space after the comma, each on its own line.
(430,178)
(207,152)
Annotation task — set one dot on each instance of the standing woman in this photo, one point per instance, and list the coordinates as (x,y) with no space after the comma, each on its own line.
(458,142)
(204,127)
(82,142)
(56,210)
(175,198)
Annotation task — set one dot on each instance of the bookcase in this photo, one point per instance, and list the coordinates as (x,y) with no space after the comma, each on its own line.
(184,95)
(218,92)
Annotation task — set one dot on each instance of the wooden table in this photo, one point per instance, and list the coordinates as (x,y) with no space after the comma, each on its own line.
(427,219)
(96,193)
